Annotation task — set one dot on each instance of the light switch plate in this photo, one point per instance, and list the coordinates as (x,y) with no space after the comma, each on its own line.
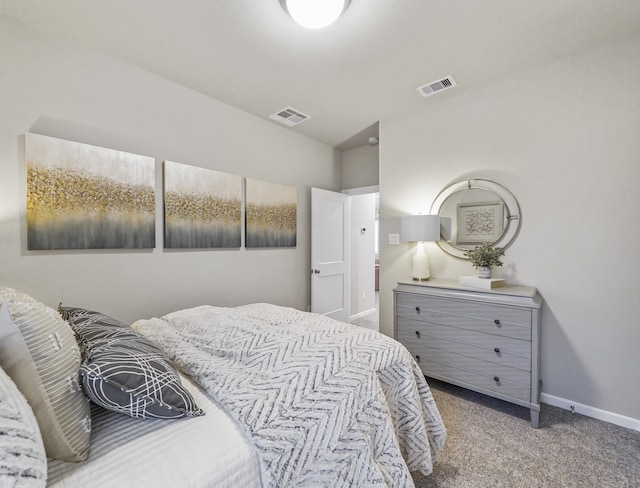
(394,239)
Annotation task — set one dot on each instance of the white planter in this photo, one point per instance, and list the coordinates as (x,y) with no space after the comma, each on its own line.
(484,272)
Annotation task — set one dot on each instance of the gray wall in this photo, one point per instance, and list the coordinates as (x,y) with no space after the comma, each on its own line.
(62,90)
(360,167)
(564,139)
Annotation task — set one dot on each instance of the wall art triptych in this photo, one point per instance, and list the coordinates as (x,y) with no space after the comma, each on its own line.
(202,207)
(87,197)
(271,214)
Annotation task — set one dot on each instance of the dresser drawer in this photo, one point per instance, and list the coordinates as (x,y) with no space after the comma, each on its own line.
(487,347)
(486,368)
(491,319)
(475,373)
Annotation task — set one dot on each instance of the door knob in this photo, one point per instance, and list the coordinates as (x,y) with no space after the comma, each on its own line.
(315,271)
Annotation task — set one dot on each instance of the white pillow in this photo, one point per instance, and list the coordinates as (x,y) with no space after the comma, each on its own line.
(39,352)
(22,458)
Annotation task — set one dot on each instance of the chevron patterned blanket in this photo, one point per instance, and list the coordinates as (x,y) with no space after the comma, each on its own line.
(324,403)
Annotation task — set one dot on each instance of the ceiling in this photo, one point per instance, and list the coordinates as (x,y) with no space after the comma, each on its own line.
(363,69)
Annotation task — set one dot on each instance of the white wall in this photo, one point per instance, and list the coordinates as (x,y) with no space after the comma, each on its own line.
(360,167)
(62,90)
(363,215)
(565,140)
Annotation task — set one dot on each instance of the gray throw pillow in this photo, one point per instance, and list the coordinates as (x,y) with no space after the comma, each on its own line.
(124,371)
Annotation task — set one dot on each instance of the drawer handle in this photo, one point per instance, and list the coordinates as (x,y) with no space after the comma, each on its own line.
(418,359)
(497,350)
(417,309)
(497,322)
(496,379)
(417,333)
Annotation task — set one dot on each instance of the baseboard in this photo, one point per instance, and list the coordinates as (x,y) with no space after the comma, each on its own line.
(362,314)
(596,413)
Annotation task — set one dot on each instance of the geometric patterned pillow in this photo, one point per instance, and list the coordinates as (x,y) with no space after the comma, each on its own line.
(124,371)
(39,353)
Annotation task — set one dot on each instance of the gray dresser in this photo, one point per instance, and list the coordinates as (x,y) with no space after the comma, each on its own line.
(484,340)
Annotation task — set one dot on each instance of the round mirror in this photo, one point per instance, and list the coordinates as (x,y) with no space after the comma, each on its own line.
(475,211)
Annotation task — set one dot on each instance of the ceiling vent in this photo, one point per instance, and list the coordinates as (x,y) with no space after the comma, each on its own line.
(437,86)
(289,116)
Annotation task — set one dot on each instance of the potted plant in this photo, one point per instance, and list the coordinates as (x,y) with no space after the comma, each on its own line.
(484,258)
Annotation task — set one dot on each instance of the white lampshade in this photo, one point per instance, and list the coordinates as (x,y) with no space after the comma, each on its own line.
(416,228)
(315,14)
(420,228)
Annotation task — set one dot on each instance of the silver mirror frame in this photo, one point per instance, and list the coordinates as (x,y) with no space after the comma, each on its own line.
(512,208)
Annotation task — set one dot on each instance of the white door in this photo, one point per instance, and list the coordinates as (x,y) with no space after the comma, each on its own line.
(330,248)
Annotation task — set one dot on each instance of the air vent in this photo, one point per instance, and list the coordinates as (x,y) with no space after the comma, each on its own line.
(289,116)
(437,86)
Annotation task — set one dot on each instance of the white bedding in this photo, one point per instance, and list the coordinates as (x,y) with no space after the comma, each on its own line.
(322,402)
(207,451)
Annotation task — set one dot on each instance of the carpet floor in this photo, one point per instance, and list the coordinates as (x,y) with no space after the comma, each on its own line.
(490,443)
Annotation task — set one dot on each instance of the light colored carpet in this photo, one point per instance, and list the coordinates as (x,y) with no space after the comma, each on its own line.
(490,443)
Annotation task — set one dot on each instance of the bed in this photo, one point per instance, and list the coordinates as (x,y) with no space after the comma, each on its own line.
(255,396)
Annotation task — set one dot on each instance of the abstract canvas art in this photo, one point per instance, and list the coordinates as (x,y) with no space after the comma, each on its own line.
(202,207)
(87,197)
(271,214)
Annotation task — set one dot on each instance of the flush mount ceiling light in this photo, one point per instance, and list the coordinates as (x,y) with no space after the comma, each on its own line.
(315,14)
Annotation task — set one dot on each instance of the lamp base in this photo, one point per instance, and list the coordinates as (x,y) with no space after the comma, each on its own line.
(420,264)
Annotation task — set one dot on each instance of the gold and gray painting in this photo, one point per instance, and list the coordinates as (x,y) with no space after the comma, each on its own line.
(202,207)
(86,197)
(271,214)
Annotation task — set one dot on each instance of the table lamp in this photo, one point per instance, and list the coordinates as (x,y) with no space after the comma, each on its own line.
(420,228)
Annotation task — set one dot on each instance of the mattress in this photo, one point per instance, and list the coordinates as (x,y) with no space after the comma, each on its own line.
(206,451)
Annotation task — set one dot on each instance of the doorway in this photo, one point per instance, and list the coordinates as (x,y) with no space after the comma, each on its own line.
(365,204)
